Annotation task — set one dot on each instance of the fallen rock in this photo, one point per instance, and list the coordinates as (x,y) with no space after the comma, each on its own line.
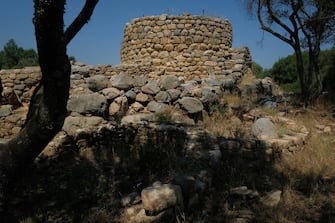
(264,128)
(160,197)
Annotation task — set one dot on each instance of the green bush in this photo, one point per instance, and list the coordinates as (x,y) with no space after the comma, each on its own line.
(13,56)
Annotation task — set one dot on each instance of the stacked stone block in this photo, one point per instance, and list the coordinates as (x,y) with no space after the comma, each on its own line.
(179,45)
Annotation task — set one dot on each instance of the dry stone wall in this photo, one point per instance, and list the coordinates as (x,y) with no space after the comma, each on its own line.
(179,45)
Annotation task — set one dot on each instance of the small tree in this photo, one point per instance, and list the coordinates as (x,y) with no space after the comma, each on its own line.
(47,110)
(13,56)
(11,53)
(303,24)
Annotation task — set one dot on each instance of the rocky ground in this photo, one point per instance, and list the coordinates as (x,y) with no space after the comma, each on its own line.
(172,149)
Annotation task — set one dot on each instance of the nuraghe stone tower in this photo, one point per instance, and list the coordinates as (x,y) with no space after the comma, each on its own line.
(182,45)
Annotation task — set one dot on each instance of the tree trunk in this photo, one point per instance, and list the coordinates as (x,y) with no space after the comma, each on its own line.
(47,109)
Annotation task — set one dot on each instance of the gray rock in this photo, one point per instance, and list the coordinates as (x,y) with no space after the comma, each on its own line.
(111,93)
(191,105)
(140,81)
(122,81)
(140,118)
(95,104)
(81,68)
(19,87)
(74,123)
(97,82)
(152,87)
(209,95)
(131,95)
(228,84)
(174,94)
(170,82)
(154,106)
(212,82)
(163,96)
(263,127)
(161,196)
(188,88)
(5,110)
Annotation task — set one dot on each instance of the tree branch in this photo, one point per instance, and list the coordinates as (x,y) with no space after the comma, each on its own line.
(268,29)
(80,20)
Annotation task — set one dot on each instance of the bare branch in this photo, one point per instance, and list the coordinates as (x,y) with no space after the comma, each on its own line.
(80,20)
(267,28)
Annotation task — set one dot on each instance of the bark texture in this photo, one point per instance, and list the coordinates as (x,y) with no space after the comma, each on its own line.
(47,110)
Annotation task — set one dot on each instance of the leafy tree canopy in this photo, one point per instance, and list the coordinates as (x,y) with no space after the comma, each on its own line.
(284,71)
(13,56)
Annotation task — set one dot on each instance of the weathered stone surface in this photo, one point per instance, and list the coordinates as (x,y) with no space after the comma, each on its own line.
(161,196)
(87,104)
(154,106)
(163,96)
(141,97)
(174,94)
(170,82)
(263,127)
(122,81)
(114,108)
(111,93)
(74,123)
(97,82)
(131,95)
(209,95)
(152,87)
(136,119)
(191,105)
(5,110)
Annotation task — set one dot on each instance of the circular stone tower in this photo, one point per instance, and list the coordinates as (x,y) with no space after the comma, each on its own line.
(178,45)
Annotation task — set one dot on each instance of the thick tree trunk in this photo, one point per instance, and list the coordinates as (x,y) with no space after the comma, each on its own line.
(47,110)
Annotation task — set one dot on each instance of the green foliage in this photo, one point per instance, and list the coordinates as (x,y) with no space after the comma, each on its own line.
(257,70)
(217,108)
(285,69)
(285,73)
(13,56)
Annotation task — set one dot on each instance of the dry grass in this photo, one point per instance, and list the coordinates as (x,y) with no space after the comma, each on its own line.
(318,156)
(306,178)
(248,78)
(309,175)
